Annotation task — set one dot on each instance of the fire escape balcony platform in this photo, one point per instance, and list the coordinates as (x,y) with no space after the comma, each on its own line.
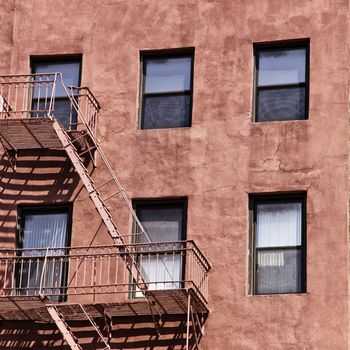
(97,278)
(165,302)
(33,133)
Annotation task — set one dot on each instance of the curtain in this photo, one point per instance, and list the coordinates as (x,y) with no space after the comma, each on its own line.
(278,225)
(44,231)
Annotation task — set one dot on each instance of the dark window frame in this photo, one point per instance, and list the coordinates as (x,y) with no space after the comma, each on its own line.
(278,46)
(254,201)
(25,209)
(164,54)
(159,203)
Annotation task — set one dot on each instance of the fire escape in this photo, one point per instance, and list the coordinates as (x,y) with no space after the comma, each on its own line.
(96,276)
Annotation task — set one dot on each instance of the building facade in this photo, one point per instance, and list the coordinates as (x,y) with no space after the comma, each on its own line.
(227,125)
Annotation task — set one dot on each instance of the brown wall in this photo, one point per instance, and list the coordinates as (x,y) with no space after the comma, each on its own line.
(223,157)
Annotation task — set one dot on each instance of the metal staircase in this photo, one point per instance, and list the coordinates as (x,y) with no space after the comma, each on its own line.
(26,132)
(99,203)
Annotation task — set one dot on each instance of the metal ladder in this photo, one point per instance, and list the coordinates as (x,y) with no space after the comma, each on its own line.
(100,206)
(66,331)
(63,327)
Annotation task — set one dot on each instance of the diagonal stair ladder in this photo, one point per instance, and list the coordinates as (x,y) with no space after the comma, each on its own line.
(93,191)
(66,331)
(63,327)
(100,206)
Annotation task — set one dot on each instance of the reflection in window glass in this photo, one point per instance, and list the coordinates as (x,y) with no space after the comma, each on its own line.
(281,67)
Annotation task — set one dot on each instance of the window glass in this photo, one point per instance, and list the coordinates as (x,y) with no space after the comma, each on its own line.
(168,74)
(167,91)
(62,107)
(278,67)
(278,225)
(162,224)
(278,271)
(281,104)
(45,230)
(42,229)
(70,73)
(166,111)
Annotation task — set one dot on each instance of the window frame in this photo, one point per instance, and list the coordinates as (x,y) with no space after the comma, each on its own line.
(278,46)
(164,54)
(158,203)
(25,209)
(254,201)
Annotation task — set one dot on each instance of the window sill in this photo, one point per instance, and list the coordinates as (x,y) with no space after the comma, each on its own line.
(158,129)
(279,121)
(279,295)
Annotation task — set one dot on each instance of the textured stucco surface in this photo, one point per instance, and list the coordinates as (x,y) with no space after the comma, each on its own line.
(223,157)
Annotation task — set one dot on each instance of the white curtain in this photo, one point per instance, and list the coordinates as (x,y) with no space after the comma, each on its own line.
(44,231)
(278,225)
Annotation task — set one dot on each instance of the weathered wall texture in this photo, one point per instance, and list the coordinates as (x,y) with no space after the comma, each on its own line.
(223,157)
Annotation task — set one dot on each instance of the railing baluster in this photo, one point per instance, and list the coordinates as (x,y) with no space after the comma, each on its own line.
(84,279)
(116,270)
(100,283)
(108,268)
(46,93)
(6,267)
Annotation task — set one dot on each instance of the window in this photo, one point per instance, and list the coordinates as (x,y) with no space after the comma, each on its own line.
(278,244)
(164,221)
(281,81)
(43,227)
(166,90)
(71,71)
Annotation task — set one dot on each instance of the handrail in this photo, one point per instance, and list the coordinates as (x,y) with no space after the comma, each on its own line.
(99,269)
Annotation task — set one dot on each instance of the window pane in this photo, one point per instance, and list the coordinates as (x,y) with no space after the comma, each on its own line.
(62,111)
(166,111)
(162,271)
(278,271)
(281,67)
(278,224)
(281,104)
(168,74)
(45,230)
(162,224)
(70,72)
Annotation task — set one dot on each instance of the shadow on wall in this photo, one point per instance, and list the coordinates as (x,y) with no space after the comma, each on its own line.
(128,333)
(41,177)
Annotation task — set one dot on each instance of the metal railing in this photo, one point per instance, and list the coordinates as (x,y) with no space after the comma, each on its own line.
(61,272)
(45,95)
(42,95)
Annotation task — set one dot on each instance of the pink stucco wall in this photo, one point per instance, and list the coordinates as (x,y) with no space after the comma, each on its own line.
(223,157)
